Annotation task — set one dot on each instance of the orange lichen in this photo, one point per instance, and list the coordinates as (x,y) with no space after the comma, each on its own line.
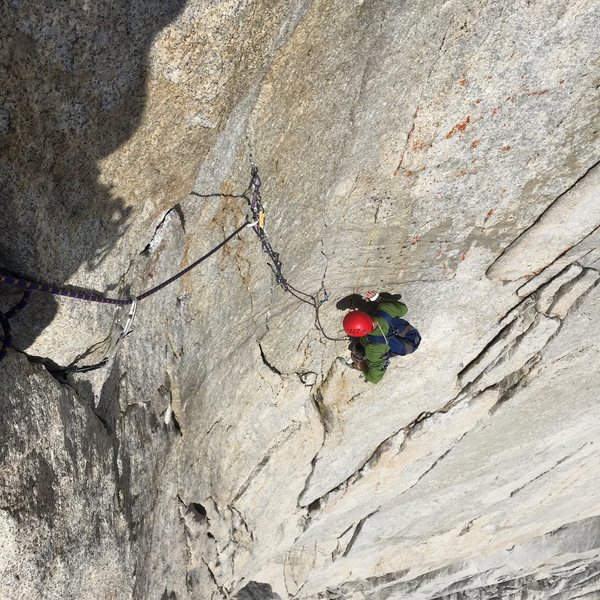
(458,127)
(418,146)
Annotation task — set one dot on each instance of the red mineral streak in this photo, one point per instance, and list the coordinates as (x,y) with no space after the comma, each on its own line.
(458,127)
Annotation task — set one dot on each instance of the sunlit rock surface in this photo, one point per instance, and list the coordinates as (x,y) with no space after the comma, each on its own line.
(445,151)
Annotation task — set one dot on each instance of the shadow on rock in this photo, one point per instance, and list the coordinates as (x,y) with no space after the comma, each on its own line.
(257,591)
(74,88)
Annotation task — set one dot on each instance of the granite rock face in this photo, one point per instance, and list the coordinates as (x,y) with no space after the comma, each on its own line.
(448,152)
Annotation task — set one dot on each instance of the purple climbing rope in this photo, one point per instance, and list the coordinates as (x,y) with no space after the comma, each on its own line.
(28,286)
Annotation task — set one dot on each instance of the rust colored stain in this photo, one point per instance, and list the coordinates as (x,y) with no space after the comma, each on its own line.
(418,146)
(478,101)
(505,148)
(409,173)
(488,215)
(415,239)
(494,112)
(475,143)
(463,256)
(226,188)
(561,81)
(462,82)
(458,127)
(538,93)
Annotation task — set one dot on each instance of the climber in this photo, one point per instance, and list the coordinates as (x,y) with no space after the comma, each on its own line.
(379,336)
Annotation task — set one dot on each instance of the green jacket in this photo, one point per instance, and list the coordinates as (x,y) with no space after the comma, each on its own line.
(375,353)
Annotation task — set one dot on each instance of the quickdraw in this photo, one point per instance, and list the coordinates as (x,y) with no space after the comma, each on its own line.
(257,215)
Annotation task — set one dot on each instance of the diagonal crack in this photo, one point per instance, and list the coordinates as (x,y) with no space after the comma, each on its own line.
(356,533)
(540,216)
(266,362)
(562,460)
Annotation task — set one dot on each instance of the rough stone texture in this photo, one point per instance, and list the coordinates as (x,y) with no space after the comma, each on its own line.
(446,151)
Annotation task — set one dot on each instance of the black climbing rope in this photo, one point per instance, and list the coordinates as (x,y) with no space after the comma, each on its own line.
(93,296)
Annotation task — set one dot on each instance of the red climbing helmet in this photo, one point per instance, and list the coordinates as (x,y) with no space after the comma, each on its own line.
(358,323)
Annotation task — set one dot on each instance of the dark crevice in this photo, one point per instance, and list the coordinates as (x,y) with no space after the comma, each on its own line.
(356,533)
(176,209)
(197,511)
(176,424)
(257,469)
(266,362)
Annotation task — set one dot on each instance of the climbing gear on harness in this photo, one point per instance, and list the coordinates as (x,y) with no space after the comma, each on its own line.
(402,337)
(357,323)
(256,215)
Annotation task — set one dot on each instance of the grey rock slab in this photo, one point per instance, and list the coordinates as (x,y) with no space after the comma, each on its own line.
(548,293)
(573,216)
(585,253)
(62,522)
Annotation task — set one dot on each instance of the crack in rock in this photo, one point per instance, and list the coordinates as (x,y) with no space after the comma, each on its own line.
(356,533)
(505,268)
(157,236)
(562,460)
(267,363)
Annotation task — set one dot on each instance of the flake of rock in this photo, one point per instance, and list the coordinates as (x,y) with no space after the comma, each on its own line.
(570,293)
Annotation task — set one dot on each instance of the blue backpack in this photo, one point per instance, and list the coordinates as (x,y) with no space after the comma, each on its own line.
(402,337)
